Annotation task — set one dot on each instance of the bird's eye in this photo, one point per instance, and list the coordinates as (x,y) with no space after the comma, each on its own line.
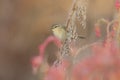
(54,26)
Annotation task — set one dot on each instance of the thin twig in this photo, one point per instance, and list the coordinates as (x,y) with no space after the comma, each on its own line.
(85,47)
(71,13)
(109,23)
(108,27)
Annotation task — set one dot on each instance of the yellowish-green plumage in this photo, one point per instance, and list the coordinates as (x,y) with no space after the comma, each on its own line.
(60,32)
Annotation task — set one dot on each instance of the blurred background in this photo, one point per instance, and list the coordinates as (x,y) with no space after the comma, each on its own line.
(24,24)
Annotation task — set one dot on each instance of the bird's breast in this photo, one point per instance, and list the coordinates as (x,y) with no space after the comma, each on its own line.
(60,34)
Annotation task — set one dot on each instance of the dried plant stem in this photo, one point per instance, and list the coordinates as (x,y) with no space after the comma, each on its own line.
(109,23)
(85,47)
(71,13)
(108,27)
(78,12)
(79,8)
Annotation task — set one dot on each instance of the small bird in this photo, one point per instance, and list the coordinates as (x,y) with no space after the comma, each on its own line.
(60,32)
